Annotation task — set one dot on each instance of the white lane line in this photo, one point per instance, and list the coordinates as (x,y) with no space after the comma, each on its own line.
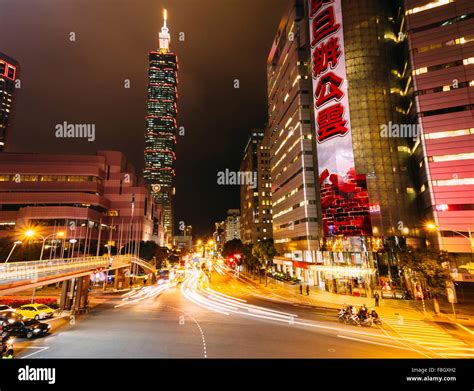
(202,335)
(374,343)
(43,348)
(465,328)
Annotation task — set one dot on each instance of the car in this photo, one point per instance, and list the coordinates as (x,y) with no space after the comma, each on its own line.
(164,276)
(5,309)
(28,328)
(9,317)
(35,311)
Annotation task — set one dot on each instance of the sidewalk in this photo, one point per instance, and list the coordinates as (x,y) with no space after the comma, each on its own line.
(410,309)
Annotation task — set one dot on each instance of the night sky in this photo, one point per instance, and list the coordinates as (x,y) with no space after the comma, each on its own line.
(83,82)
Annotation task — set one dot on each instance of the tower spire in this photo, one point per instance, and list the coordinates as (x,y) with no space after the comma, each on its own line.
(164,35)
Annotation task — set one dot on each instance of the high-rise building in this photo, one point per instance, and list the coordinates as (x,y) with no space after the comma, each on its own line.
(219,235)
(361,100)
(441,43)
(161,127)
(290,141)
(232,225)
(9,70)
(255,194)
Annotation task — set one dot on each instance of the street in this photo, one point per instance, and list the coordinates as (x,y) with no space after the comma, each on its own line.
(193,321)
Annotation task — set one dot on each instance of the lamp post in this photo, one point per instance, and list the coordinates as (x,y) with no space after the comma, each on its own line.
(17,242)
(452,290)
(30,233)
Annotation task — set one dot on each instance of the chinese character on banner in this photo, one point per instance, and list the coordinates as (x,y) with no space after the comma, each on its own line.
(316,6)
(325,54)
(328,88)
(331,122)
(324,25)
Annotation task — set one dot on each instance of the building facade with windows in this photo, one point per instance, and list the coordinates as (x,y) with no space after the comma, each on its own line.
(232,225)
(290,141)
(441,44)
(255,196)
(89,198)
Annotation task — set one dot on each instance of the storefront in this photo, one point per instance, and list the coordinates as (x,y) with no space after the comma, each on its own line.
(346,273)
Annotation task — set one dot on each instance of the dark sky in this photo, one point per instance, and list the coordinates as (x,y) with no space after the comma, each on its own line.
(82,82)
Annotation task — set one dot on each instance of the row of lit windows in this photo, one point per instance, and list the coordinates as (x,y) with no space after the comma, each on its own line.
(48,178)
(449,133)
(439,45)
(454,182)
(466,61)
(448,158)
(428,6)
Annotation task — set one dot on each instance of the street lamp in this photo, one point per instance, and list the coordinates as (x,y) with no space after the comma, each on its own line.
(17,242)
(31,233)
(433,227)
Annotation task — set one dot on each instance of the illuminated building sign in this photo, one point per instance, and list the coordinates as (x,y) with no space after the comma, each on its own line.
(344,197)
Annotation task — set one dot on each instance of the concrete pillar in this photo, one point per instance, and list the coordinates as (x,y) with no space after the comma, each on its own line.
(122,280)
(67,294)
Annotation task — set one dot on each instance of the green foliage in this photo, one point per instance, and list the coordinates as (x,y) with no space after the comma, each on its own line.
(264,251)
(232,247)
(429,266)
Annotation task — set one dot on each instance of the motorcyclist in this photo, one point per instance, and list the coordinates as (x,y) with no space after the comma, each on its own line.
(373,314)
(363,312)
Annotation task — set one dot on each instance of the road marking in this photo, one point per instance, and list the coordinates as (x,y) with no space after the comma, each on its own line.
(43,348)
(374,343)
(465,328)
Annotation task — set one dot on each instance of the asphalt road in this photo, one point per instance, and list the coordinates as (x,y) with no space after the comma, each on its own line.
(181,322)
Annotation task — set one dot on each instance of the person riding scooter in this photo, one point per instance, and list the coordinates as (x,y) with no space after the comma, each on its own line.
(7,345)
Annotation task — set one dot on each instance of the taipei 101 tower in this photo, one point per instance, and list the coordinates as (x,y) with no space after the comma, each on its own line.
(161,128)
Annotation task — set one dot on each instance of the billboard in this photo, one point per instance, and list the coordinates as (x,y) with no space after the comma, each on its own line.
(344,196)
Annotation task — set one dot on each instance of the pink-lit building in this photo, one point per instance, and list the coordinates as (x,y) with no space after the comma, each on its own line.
(86,197)
(441,43)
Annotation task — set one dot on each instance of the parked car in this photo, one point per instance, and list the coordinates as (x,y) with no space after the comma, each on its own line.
(28,328)
(35,311)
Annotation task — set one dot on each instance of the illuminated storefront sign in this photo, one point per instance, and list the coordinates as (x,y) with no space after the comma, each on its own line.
(344,197)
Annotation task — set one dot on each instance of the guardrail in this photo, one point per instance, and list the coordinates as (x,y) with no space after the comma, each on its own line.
(33,270)
(36,269)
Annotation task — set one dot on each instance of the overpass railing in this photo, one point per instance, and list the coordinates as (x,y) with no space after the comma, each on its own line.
(33,270)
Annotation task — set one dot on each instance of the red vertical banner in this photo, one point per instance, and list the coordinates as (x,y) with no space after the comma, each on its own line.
(344,196)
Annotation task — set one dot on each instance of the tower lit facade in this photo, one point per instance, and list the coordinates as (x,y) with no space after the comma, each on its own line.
(161,128)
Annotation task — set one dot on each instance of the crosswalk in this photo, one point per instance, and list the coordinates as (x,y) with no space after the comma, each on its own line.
(430,337)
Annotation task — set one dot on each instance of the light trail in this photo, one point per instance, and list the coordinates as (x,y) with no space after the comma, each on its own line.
(215,301)
(137,295)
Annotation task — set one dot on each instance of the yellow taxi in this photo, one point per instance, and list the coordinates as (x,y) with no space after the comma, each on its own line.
(35,311)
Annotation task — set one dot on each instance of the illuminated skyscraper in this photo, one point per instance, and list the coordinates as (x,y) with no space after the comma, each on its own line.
(8,75)
(161,128)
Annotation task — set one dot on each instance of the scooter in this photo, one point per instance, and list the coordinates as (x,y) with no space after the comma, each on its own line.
(7,346)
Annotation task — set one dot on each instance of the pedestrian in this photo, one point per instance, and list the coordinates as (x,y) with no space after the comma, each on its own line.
(377,298)
(301,289)
(307,290)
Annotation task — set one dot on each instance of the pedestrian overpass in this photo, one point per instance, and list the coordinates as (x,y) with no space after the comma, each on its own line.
(74,273)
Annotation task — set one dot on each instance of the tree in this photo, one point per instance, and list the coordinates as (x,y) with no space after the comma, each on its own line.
(264,252)
(148,249)
(232,247)
(430,268)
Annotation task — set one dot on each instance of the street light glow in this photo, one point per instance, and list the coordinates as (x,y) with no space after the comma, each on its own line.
(29,233)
